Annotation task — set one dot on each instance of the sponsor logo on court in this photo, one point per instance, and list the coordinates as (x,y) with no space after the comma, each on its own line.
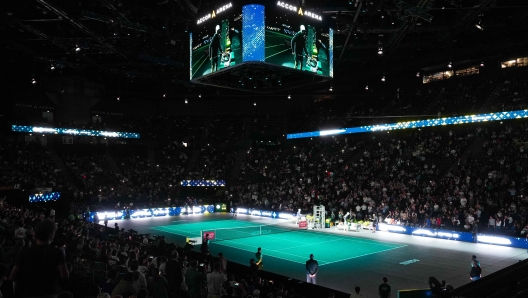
(409,262)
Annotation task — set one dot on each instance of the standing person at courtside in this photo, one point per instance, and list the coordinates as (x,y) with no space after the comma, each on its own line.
(205,244)
(311,270)
(258,257)
(384,290)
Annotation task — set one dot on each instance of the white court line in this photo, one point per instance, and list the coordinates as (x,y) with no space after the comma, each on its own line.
(266,250)
(324,262)
(362,255)
(171,230)
(336,238)
(311,244)
(342,237)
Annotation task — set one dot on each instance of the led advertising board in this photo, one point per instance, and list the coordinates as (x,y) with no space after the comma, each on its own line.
(216,40)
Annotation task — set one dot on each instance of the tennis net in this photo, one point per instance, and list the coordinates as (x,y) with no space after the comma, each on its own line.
(245,232)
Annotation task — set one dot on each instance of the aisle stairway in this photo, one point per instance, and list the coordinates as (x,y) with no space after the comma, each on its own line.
(192,160)
(235,171)
(472,150)
(56,159)
(152,160)
(110,160)
(486,106)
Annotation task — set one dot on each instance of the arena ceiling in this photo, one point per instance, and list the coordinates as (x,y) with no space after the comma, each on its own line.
(143,44)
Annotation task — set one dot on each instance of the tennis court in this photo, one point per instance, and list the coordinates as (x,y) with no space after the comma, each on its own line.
(284,244)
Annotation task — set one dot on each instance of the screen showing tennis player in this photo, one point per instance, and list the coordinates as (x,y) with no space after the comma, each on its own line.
(298,38)
(216,40)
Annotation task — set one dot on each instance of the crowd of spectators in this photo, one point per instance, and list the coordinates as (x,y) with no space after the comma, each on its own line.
(89,167)
(99,261)
(415,177)
(28,165)
(464,97)
(213,164)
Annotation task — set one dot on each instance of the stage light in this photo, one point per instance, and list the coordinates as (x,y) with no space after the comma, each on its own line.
(479,25)
(186,101)
(366,87)
(199,96)
(118,98)
(33,81)
(255,104)
(289,96)
(380,51)
(164,95)
(52,67)
(418,74)
(450,65)
(77,48)
(331,89)
(383,78)
(482,64)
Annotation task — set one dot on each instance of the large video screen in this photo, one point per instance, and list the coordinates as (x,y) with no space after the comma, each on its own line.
(298,38)
(216,39)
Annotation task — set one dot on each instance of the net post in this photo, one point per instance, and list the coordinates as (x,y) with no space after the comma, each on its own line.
(261,230)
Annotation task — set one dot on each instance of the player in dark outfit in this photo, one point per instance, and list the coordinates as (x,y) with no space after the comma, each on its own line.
(258,257)
(298,47)
(215,48)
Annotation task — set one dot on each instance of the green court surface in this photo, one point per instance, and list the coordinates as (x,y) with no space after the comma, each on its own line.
(192,230)
(293,246)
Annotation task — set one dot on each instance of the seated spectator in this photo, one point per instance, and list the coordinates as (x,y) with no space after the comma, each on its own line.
(157,285)
(11,256)
(125,287)
(111,281)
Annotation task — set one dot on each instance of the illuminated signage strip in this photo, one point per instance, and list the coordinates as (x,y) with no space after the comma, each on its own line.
(44,197)
(499,116)
(203,183)
(214,13)
(299,10)
(265,213)
(75,132)
(455,235)
(153,212)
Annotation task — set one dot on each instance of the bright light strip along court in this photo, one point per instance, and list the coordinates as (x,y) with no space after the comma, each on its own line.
(292,246)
